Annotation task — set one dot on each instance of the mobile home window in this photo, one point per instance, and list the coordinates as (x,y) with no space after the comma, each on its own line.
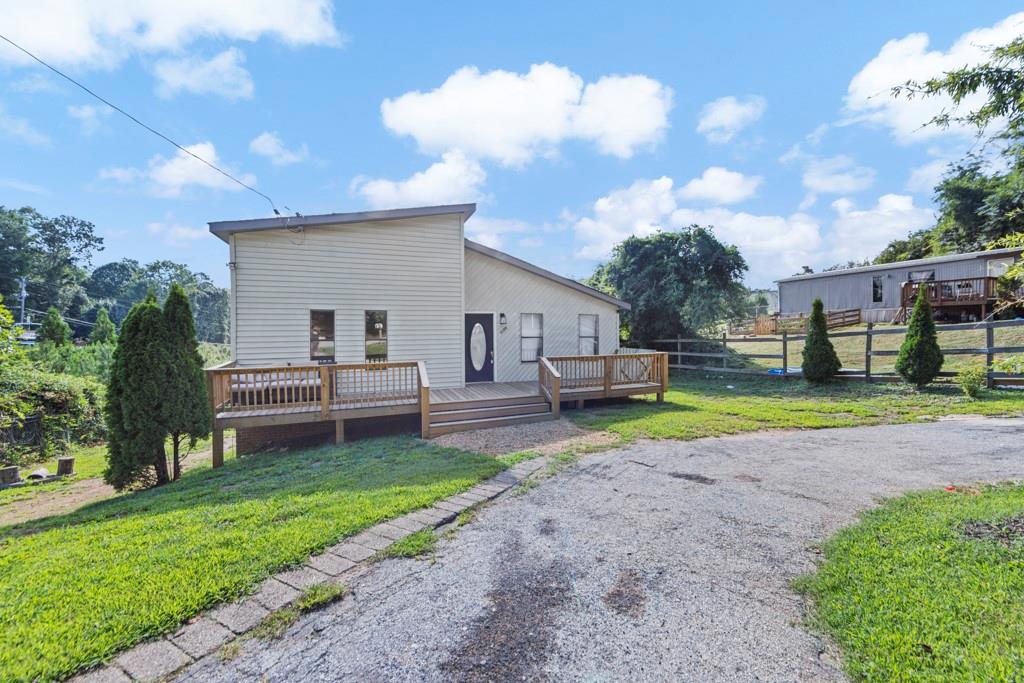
(321,335)
(588,335)
(997,267)
(376,335)
(876,289)
(922,275)
(531,337)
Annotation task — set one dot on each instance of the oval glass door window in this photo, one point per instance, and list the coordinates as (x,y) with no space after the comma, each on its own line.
(478,347)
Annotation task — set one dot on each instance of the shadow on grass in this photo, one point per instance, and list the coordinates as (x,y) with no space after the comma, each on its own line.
(367,466)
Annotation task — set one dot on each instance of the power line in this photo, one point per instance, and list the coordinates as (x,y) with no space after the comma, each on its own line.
(149,128)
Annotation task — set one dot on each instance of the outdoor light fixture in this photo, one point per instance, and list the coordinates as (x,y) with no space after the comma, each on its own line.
(502,319)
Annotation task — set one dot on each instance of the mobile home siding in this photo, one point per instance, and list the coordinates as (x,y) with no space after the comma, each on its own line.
(853,290)
(493,286)
(412,268)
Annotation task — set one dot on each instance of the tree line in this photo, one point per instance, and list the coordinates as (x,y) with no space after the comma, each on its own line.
(55,254)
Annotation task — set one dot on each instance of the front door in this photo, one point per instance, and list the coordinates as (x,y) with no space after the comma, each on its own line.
(479,347)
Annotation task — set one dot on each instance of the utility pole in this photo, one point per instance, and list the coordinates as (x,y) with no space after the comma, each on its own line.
(22,295)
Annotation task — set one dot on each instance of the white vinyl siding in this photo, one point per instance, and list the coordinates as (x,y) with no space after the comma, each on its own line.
(412,268)
(498,287)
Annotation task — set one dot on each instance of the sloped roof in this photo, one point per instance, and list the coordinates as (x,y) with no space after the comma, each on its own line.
(907,264)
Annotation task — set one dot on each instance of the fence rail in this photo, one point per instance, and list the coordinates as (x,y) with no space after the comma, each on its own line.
(705,346)
(777,323)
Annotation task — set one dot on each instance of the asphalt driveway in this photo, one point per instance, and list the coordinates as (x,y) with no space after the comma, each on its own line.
(659,561)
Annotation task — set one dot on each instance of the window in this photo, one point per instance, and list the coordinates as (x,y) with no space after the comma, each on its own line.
(531,337)
(876,289)
(922,275)
(588,335)
(997,267)
(376,335)
(321,336)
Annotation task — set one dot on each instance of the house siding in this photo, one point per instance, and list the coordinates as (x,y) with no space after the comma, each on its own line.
(841,292)
(412,268)
(493,286)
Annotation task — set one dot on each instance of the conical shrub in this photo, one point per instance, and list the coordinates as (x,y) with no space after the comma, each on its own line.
(920,358)
(820,360)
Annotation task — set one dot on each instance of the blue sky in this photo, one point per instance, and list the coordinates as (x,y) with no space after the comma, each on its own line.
(572,125)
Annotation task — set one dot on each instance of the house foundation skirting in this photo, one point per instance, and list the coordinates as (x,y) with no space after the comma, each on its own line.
(255,439)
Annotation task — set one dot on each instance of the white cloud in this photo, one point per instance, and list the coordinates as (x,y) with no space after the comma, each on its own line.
(531,242)
(103,33)
(639,209)
(723,118)
(270,145)
(89,116)
(836,175)
(454,179)
(859,234)
(175,234)
(171,177)
(221,75)
(512,117)
(721,186)
(925,177)
(869,99)
(20,129)
(21,186)
(492,231)
(34,83)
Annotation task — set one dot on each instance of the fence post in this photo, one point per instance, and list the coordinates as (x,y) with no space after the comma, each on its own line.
(785,354)
(867,353)
(990,342)
(679,351)
(725,350)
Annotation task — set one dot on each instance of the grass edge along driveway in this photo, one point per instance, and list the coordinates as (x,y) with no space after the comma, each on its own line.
(78,588)
(909,597)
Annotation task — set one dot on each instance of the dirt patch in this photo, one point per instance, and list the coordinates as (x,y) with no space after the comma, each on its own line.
(627,596)
(749,478)
(546,527)
(1006,531)
(545,438)
(698,478)
(510,640)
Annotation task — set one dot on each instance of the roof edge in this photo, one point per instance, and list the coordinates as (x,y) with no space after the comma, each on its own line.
(946,258)
(224,228)
(537,270)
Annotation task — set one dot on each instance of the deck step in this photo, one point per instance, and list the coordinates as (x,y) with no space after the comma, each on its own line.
(485,403)
(487,422)
(475,413)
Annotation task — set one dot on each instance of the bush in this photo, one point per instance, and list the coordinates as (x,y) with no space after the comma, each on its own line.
(103,332)
(972,379)
(820,360)
(214,354)
(42,414)
(920,358)
(93,360)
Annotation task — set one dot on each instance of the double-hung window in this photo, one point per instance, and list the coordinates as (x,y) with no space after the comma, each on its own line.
(321,336)
(531,337)
(588,335)
(376,323)
(876,289)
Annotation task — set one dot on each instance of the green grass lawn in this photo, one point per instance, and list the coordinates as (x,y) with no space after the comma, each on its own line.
(909,598)
(78,588)
(851,349)
(700,405)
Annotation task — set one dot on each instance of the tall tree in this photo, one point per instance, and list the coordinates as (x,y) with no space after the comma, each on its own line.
(187,413)
(16,251)
(678,282)
(54,329)
(10,350)
(103,332)
(920,358)
(136,392)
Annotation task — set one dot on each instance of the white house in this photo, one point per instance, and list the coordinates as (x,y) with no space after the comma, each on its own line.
(399,290)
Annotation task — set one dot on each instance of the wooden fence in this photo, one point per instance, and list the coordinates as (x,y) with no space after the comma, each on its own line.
(791,324)
(715,355)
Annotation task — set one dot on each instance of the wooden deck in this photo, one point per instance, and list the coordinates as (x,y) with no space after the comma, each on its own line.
(286,395)
(485,391)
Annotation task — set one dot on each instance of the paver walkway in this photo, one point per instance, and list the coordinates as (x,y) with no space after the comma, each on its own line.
(659,561)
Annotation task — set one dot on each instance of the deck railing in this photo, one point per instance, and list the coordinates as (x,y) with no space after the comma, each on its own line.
(607,373)
(550,381)
(336,386)
(967,290)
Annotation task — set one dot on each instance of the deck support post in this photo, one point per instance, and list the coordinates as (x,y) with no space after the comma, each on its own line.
(325,392)
(218,446)
(339,431)
(424,399)
(579,404)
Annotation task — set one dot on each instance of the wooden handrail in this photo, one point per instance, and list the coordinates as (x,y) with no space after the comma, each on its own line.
(550,380)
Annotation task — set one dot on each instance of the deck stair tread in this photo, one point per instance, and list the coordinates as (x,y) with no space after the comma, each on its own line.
(439,428)
(459,414)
